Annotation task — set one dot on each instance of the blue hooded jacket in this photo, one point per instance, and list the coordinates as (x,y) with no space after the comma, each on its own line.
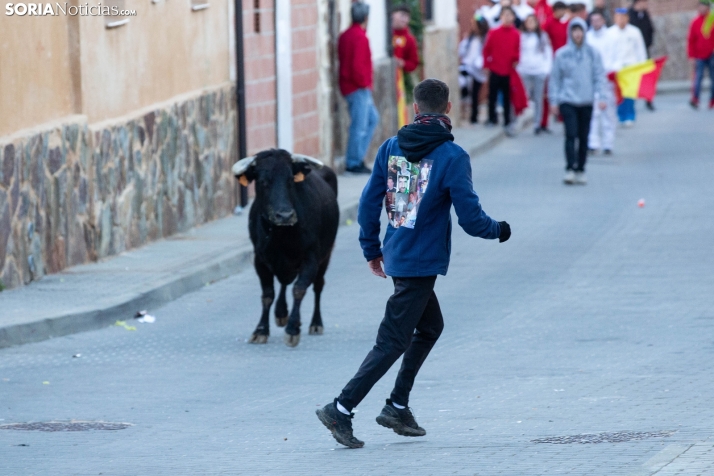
(417,196)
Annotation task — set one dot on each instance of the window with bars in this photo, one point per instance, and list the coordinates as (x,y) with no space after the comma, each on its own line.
(428,10)
(256,16)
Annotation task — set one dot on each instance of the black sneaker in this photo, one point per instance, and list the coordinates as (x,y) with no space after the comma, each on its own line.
(339,424)
(360,169)
(401,421)
(607,152)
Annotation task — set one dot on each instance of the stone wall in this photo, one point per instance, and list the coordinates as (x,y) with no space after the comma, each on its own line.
(75,193)
(671,40)
(385,98)
(441,61)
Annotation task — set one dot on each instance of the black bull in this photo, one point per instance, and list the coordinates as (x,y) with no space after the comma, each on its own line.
(293,223)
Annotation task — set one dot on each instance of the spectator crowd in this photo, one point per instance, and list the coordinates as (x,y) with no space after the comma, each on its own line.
(563,58)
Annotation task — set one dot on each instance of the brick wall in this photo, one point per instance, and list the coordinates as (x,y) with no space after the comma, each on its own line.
(466,13)
(260,75)
(306,120)
(259,51)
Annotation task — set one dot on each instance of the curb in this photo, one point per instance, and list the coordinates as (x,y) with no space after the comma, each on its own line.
(193,279)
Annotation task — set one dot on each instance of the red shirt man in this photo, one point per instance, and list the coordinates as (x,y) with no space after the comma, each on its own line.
(557,26)
(355,60)
(501,54)
(405,49)
(699,46)
(404,44)
(543,11)
(502,50)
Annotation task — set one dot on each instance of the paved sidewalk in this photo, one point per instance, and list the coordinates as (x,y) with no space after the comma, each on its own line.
(95,295)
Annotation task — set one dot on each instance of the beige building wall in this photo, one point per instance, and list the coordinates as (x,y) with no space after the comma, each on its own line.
(55,66)
(35,80)
(127,68)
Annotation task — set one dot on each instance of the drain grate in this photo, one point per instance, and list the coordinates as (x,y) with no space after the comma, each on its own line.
(593,438)
(65,426)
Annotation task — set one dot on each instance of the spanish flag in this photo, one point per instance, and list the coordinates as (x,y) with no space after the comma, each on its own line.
(638,81)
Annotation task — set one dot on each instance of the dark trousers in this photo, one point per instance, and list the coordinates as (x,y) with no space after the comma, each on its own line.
(577,127)
(496,84)
(475,92)
(412,323)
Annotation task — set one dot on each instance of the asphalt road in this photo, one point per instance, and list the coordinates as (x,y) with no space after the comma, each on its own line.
(582,346)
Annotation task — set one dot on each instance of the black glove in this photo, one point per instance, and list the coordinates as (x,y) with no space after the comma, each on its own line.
(505,232)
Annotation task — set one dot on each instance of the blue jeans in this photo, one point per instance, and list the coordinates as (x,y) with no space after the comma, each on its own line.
(364,118)
(626,110)
(699,66)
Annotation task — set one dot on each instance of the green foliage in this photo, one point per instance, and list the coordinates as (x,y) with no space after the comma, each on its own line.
(2,288)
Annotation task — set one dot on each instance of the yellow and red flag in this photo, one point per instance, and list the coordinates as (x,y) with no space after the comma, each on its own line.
(638,81)
(708,24)
(402,111)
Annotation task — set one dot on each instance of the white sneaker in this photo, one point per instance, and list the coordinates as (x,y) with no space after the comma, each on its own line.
(580,178)
(628,124)
(569,178)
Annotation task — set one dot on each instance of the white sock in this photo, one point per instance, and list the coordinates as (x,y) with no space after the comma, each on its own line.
(342,409)
(398,406)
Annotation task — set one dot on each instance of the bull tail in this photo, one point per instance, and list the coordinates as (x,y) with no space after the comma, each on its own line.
(328,175)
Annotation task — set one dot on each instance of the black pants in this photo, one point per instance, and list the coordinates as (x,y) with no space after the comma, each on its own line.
(577,127)
(498,83)
(475,91)
(412,323)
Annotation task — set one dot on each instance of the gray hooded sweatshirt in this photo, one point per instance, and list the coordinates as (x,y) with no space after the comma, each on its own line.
(577,72)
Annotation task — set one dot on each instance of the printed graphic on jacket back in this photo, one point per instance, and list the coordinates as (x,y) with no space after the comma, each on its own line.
(406,185)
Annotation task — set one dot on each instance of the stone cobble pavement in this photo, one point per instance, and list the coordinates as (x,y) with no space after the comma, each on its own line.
(595,318)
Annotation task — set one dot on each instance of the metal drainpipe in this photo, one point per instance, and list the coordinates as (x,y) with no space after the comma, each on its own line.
(390,40)
(240,94)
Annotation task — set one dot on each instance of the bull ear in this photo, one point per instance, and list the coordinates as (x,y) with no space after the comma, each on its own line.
(300,170)
(243,170)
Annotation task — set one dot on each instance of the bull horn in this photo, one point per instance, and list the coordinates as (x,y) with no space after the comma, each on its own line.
(240,167)
(312,161)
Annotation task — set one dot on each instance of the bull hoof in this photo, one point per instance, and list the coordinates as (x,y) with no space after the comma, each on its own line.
(316,330)
(292,341)
(258,339)
(281,321)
